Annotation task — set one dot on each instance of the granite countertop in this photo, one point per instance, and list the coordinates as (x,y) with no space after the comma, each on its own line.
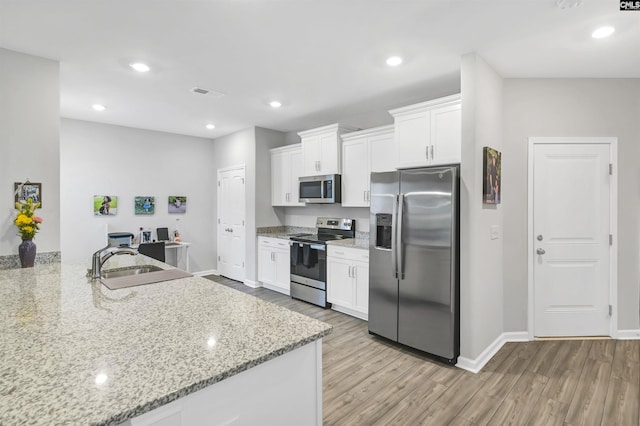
(74,352)
(359,243)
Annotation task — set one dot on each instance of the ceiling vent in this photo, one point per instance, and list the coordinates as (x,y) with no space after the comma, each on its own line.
(212,93)
(568,4)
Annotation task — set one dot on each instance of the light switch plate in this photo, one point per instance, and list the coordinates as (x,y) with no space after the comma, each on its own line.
(494,232)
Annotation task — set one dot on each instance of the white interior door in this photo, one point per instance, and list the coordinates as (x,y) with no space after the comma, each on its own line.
(570,245)
(231,223)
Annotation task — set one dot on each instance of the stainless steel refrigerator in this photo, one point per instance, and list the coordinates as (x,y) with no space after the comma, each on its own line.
(414,259)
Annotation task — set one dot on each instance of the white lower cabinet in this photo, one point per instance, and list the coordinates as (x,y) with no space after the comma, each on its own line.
(273,264)
(348,280)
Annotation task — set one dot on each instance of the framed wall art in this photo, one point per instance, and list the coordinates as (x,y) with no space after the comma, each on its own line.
(24,191)
(177,204)
(144,205)
(492,172)
(105,205)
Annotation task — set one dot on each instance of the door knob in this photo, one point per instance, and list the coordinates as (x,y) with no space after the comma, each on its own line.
(540,237)
(540,251)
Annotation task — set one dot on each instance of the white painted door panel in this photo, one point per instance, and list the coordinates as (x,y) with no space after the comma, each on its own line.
(571,225)
(231,229)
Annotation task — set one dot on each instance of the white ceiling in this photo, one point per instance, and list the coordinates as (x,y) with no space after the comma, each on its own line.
(323,59)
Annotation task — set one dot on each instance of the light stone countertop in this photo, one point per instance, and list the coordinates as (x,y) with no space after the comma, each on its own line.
(74,352)
(359,243)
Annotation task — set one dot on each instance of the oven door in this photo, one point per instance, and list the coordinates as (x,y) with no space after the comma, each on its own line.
(309,264)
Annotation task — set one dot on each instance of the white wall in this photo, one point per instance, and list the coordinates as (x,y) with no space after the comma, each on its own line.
(481,278)
(102,159)
(571,107)
(29,143)
(265,140)
(306,216)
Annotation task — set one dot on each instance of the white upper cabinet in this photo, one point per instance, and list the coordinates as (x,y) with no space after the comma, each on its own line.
(364,152)
(286,168)
(428,133)
(321,149)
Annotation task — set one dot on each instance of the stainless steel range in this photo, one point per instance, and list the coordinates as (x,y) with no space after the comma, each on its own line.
(309,259)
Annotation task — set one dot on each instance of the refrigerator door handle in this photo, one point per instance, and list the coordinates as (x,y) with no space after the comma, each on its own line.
(394,226)
(400,266)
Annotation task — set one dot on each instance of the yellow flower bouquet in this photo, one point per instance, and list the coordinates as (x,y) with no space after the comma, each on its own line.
(27,222)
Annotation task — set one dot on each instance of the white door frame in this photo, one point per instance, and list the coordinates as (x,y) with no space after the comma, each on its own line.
(613,220)
(224,170)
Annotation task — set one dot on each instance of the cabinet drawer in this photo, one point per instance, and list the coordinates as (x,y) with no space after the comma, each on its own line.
(348,253)
(276,243)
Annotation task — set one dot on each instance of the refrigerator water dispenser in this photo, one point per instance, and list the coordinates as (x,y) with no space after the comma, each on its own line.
(383,230)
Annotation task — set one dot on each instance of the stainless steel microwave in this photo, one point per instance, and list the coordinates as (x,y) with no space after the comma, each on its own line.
(320,189)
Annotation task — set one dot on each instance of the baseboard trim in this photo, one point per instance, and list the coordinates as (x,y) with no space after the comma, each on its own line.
(349,311)
(251,283)
(203,273)
(276,289)
(628,335)
(475,365)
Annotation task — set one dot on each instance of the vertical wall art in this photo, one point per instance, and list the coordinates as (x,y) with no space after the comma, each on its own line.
(144,204)
(492,171)
(24,191)
(177,204)
(105,205)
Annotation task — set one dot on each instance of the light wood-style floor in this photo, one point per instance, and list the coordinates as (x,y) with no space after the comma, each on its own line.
(369,381)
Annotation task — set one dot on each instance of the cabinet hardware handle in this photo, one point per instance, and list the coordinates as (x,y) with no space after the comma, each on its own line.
(426,152)
(354,272)
(541,251)
(340,252)
(350,272)
(364,195)
(431,152)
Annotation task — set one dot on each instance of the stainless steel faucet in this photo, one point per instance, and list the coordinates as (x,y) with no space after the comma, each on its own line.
(104,254)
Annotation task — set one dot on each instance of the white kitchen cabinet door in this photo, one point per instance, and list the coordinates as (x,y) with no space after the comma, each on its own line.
(348,280)
(339,282)
(355,173)
(321,148)
(428,133)
(363,152)
(361,287)
(273,264)
(279,179)
(312,154)
(381,152)
(446,134)
(296,169)
(286,168)
(412,139)
(266,265)
(282,266)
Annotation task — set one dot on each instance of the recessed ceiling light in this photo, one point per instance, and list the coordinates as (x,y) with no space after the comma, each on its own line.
(140,67)
(98,107)
(275,104)
(603,32)
(394,61)
(210,126)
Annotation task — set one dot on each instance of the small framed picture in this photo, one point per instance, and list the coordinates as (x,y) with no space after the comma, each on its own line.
(492,171)
(144,205)
(105,205)
(24,191)
(177,204)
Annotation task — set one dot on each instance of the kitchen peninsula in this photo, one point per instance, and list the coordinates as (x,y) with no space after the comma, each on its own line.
(188,351)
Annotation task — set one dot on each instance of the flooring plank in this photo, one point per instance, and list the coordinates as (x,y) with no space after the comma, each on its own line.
(368,380)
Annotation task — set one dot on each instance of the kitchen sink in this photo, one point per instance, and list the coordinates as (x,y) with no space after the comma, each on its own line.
(133,276)
(130,270)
